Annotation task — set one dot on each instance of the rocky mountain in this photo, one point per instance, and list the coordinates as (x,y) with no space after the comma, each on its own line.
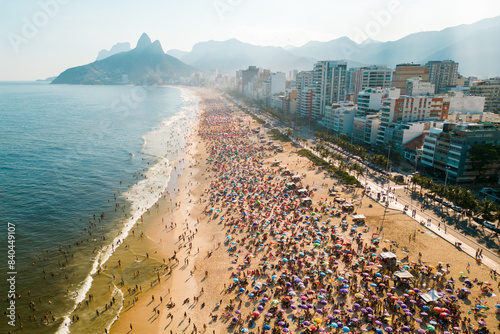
(117,48)
(475,46)
(146,64)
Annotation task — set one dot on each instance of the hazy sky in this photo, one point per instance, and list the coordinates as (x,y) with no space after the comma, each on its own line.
(42,38)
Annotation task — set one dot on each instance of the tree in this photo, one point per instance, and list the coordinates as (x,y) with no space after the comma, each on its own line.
(486,208)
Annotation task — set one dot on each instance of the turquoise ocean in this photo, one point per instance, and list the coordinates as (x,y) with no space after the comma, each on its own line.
(74,162)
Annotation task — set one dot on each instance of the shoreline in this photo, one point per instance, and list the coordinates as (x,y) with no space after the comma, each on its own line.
(115,273)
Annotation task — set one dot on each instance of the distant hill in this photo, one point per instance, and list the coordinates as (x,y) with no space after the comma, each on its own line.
(117,48)
(49,79)
(230,55)
(475,46)
(147,64)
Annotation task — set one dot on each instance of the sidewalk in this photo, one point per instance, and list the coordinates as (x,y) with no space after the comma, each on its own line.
(440,232)
(465,247)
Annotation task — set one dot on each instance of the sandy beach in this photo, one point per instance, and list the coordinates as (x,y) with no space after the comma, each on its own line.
(236,251)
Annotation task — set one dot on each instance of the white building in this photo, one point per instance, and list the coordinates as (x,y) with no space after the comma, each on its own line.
(339,117)
(466,117)
(329,82)
(365,128)
(371,98)
(368,77)
(278,83)
(417,87)
(466,104)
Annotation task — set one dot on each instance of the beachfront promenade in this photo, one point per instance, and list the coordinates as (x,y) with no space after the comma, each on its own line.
(445,232)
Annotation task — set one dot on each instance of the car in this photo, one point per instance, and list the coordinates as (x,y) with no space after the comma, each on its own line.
(478,220)
(439,200)
(457,208)
(448,204)
(489,225)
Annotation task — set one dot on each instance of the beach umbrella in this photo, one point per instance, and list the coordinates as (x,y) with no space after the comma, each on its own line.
(306,323)
(334,325)
(457,329)
(419,320)
(255,314)
(482,322)
(345,329)
(235,319)
(269,314)
(237,312)
(286,330)
(378,322)
(244,330)
(260,307)
(388,329)
(431,328)
(421,331)
(424,314)
(267,327)
(281,323)
(405,329)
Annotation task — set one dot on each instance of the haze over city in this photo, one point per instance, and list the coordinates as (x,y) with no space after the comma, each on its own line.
(43,38)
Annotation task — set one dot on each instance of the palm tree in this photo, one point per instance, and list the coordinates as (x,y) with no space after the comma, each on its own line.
(468,202)
(486,208)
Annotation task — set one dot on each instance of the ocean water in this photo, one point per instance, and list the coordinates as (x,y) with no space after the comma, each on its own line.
(79,165)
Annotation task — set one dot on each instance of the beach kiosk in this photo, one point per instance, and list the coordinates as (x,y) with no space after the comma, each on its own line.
(276,163)
(348,207)
(388,258)
(403,277)
(359,219)
(303,192)
(307,201)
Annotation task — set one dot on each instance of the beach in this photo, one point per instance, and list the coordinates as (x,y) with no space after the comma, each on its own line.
(232,247)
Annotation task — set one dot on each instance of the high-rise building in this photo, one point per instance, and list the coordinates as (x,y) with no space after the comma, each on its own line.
(446,150)
(339,117)
(404,72)
(329,84)
(248,76)
(304,83)
(360,78)
(278,83)
(490,89)
(410,109)
(442,74)
(370,99)
(417,87)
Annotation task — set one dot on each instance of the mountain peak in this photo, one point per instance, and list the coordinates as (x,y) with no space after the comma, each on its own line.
(143,42)
(155,47)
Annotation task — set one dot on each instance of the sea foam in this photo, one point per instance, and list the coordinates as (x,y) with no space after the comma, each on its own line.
(167,140)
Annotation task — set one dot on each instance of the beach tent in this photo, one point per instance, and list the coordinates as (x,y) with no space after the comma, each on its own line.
(430,296)
(403,274)
(387,255)
(306,200)
(302,190)
(359,217)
